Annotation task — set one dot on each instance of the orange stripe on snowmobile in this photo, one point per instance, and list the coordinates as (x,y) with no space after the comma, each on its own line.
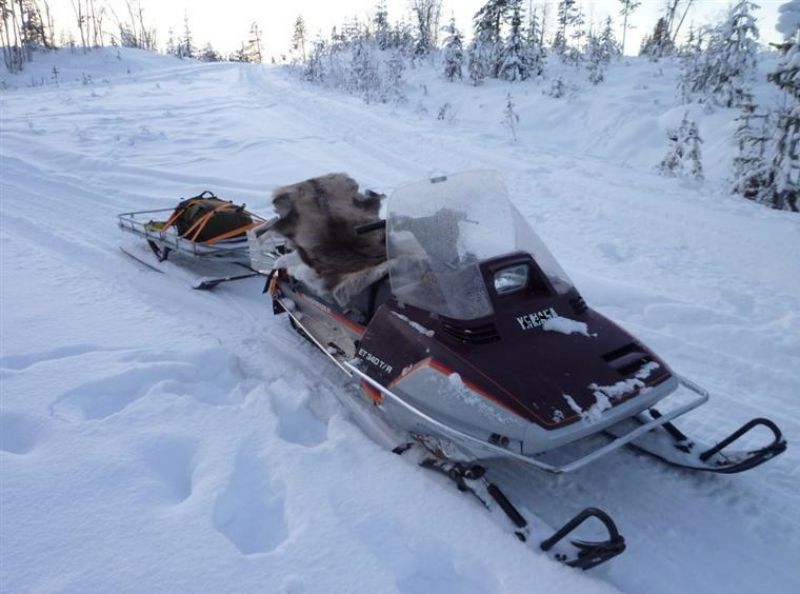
(375,395)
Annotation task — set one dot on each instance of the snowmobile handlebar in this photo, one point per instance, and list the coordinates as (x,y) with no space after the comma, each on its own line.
(369,227)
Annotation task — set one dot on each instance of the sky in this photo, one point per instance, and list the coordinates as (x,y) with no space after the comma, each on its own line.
(226,24)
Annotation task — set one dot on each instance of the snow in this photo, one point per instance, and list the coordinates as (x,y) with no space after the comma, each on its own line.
(565,326)
(418,327)
(156,438)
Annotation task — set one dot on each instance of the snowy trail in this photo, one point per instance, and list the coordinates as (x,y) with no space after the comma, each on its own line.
(197,427)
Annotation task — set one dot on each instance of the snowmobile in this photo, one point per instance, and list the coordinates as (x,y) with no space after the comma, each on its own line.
(469,344)
(202,228)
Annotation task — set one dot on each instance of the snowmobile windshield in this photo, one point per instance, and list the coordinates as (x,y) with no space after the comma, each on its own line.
(439,230)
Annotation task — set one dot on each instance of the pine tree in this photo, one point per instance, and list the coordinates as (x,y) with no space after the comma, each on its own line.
(453,52)
(209,54)
(299,38)
(254,44)
(566,16)
(684,157)
(628,6)
(514,62)
(187,49)
(751,174)
(487,42)
(476,66)
(315,69)
(381,23)
(785,164)
(659,44)
(596,56)
(608,42)
(171,49)
(720,73)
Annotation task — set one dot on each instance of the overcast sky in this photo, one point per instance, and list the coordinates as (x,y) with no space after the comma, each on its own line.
(226,23)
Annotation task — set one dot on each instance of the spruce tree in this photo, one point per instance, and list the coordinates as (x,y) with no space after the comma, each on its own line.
(684,157)
(720,74)
(187,49)
(381,23)
(254,53)
(597,60)
(785,164)
(453,52)
(751,174)
(608,42)
(299,38)
(514,63)
(487,42)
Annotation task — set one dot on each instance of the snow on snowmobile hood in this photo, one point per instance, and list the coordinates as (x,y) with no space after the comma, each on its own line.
(438,231)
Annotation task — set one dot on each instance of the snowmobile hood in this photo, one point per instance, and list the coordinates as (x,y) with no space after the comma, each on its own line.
(540,355)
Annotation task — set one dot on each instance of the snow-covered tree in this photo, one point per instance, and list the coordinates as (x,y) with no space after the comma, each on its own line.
(299,38)
(209,54)
(315,69)
(785,164)
(476,63)
(186,47)
(626,10)
(566,16)
(684,156)
(513,58)
(453,52)
(751,176)
(721,73)
(426,16)
(487,43)
(254,44)
(608,42)
(381,23)
(392,82)
(597,59)
(171,48)
(659,43)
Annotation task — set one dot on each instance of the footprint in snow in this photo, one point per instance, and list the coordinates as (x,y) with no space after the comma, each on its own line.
(250,512)
(22,362)
(20,433)
(423,564)
(210,377)
(172,461)
(297,423)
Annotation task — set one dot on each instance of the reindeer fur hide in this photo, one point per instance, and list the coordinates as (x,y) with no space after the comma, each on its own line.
(319,216)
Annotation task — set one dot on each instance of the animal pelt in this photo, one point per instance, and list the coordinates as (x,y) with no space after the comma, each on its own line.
(319,216)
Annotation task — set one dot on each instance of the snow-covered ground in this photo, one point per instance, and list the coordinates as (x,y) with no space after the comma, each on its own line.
(154,438)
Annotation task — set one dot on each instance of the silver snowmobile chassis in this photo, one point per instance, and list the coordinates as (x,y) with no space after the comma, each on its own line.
(671,446)
(470,478)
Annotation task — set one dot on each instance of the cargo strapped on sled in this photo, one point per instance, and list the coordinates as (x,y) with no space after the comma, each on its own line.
(208,219)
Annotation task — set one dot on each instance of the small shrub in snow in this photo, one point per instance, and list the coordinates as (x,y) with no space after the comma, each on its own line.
(557,88)
(510,117)
(684,157)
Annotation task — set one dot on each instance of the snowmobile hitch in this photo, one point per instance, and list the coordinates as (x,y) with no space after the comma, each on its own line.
(590,554)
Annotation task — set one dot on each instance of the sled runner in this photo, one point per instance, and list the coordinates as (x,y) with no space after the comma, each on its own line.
(466,339)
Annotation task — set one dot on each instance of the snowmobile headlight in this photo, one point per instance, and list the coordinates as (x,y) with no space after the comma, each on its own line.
(511,279)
